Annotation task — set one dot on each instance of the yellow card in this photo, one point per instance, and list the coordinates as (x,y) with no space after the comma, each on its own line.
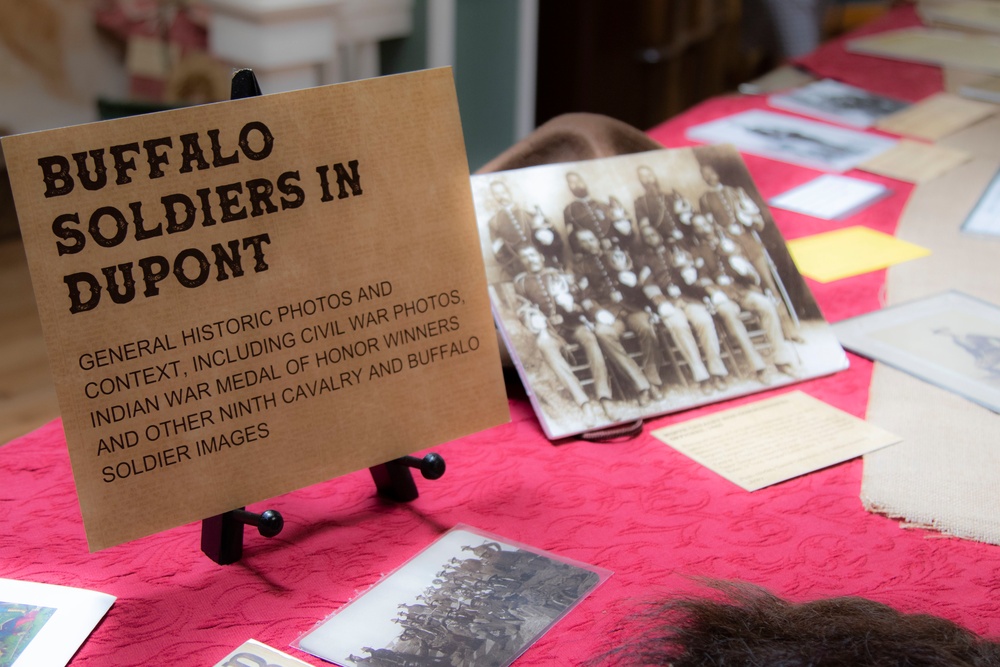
(775,439)
(246,298)
(849,252)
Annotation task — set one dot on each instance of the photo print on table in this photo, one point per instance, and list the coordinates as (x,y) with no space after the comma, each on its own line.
(644,284)
(795,140)
(45,624)
(470,599)
(838,102)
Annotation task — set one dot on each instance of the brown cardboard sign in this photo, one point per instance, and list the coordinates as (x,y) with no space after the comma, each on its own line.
(246,298)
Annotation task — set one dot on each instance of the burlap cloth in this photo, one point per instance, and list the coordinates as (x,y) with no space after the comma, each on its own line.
(946,472)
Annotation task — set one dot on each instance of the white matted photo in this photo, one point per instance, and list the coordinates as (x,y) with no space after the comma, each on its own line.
(951,340)
(470,599)
(830,196)
(44,624)
(985,217)
(795,140)
(838,102)
(644,284)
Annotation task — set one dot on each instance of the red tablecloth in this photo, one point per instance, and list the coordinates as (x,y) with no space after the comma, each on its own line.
(640,509)
(903,80)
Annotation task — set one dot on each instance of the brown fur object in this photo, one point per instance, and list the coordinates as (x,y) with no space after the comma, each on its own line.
(571,137)
(750,627)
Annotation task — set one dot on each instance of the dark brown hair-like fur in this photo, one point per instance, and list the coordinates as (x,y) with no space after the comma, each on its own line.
(750,627)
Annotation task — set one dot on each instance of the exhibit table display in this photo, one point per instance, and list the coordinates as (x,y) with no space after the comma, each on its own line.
(638,509)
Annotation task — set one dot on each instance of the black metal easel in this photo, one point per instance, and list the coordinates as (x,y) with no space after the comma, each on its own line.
(222,534)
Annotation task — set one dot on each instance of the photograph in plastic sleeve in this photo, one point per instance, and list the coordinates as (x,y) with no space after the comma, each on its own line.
(469,599)
(643,284)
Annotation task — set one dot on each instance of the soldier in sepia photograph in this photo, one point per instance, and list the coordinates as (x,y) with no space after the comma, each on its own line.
(736,212)
(681,311)
(734,281)
(513,228)
(668,213)
(559,298)
(550,310)
(611,285)
(585,212)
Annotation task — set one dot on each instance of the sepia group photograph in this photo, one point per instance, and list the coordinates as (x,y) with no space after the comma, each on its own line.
(644,284)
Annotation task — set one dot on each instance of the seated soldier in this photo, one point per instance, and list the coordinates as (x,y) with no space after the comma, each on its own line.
(734,279)
(621,224)
(609,283)
(585,212)
(557,297)
(547,239)
(669,213)
(681,311)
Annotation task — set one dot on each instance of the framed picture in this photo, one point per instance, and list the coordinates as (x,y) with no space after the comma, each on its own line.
(469,599)
(643,284)
(951,340)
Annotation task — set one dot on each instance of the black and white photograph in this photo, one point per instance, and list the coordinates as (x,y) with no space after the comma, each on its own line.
(644,284)
(795,140)
(950,339)
(838,102)
(471,599)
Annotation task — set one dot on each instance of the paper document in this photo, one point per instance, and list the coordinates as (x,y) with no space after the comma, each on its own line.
(773,440)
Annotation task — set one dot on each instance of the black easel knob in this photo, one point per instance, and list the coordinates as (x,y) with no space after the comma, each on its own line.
(431,466)
(394,480)
(268,523)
